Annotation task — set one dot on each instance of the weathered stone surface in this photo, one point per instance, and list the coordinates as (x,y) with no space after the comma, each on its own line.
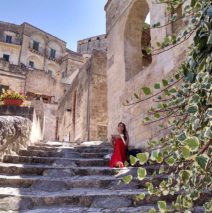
(14,204)
(14,133)
(79,188)
(111,202)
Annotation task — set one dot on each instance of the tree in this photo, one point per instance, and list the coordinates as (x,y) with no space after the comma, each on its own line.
(184,104)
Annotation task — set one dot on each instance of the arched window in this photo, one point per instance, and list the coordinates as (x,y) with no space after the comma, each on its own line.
(54,50)
(136,39)
(34,62)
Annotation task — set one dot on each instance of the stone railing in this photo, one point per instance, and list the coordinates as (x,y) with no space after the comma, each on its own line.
(8,67)
(15,134)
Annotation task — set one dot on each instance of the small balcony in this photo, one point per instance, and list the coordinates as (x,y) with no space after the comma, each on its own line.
(36,49)
(10,40)
(56,57)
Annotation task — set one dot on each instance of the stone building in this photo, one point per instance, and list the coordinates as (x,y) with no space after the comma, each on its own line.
(74,101)
(128,66)
(86,46)
(82,113)
(38,64)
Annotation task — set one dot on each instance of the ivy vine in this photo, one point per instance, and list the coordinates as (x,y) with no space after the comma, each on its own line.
(184,105)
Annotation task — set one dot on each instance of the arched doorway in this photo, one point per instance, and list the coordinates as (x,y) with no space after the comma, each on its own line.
(135,39)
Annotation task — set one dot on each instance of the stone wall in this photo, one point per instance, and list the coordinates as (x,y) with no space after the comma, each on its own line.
(39,82)
(82,113)
(86,46)
(125,73)
(15,133)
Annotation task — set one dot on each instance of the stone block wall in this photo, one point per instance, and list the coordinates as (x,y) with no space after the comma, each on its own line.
(82,113)
(124,28)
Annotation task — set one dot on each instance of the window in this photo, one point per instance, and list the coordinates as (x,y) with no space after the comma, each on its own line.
(52,53)
(31,64)
(35,45)
(6,57)
(63,75)
(50,72)
(8,39)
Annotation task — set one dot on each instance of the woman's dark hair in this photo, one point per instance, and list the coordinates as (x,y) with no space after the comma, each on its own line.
(125,130)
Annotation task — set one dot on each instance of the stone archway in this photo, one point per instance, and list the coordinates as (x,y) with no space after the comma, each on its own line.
(133,37)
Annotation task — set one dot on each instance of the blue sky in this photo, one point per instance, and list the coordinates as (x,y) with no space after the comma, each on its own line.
(70,20)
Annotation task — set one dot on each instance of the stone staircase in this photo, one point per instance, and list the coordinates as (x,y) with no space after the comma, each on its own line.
(55,177)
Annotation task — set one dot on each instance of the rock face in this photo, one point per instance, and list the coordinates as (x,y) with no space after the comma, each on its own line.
(14,133)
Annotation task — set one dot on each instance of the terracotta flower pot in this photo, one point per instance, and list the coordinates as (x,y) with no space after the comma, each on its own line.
(14,102)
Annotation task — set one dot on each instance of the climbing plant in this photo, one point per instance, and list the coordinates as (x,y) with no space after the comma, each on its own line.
(184,111)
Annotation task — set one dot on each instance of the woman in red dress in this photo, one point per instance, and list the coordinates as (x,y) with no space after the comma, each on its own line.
(120,144)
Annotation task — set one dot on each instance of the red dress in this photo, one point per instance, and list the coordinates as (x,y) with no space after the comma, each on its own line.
(119,154)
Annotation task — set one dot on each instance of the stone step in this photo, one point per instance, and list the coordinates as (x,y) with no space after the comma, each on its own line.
(71,209)
(21,169)
(21,199)
(78,149)
(71,154)
(55,160)
(45,183)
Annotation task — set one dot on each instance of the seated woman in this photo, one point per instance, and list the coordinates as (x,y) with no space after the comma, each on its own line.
(120,144)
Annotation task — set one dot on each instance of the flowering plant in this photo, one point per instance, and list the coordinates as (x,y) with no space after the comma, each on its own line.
(10,94)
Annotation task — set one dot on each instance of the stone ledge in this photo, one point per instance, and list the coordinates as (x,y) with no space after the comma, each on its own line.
(26,112)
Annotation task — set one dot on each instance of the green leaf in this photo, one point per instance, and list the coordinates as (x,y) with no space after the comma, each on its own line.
(152,210)
(141,172)
(140,197)
(159,158)
(192,109)
(150,187)
(154,154)
(192,143)
(147,119)
(173,90)
(170,161)
(193,2)
(162,206)
(143,157)
(210,38)
(185,176)
(127,179)
(182,136)
(147,90)
(195,99)
(186,152)
(202,161)
(208,133)
(157,115)
(133,160)
(165,82)
(157,86)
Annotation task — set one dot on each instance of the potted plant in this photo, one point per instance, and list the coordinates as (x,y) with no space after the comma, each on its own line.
(10,97)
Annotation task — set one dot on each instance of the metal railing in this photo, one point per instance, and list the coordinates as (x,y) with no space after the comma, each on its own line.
(15,41)
(40,50)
